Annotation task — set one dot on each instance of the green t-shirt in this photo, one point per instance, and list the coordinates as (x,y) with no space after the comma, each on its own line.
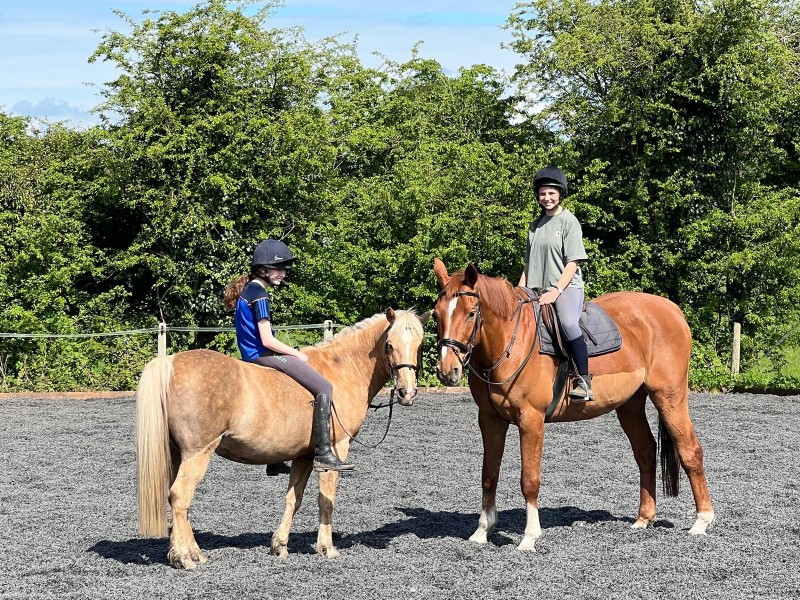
(552,243)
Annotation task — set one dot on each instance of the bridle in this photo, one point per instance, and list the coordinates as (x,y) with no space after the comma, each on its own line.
(453,344)
(393,368)
(485,374)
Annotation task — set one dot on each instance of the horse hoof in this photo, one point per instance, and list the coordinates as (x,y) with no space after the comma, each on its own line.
(328,552)
(280,551)
(182,562)
(641,523)
(701,524)
(479,537)
(199,558)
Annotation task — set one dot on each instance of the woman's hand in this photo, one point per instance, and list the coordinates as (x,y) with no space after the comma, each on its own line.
(549,297)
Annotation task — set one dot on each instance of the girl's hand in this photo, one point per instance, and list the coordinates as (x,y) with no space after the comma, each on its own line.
(303,357)
(549,297)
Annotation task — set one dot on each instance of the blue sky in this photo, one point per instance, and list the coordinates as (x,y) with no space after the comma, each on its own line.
(45,44)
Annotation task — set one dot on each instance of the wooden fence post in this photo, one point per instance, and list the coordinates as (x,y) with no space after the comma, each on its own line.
(162,339)
(327,330)
(737,345)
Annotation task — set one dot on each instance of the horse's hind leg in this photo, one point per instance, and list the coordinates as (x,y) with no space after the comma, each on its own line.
(301,469)
(184,553)
(673,409)
(633,419)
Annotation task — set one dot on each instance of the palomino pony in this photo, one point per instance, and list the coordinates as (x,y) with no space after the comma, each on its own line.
(193,404)
(486,323)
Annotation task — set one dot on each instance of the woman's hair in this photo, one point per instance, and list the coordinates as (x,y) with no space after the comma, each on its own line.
(234,290)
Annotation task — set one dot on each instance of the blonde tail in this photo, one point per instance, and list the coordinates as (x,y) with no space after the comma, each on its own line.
(153,461)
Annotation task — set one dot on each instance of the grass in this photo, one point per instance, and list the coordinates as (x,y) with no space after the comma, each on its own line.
(781,372)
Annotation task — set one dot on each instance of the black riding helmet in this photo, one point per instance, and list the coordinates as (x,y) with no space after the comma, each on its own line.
(550,176)
(273,253)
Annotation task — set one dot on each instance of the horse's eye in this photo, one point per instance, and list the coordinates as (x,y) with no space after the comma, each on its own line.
(471,314)
(389,347)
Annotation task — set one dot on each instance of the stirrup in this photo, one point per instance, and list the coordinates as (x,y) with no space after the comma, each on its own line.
(329,462)
(582,390)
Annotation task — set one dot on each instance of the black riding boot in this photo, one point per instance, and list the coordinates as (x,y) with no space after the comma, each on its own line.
(582,390)
(324,458)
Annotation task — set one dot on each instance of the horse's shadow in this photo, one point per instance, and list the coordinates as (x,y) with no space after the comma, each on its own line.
(153,551)
(420,522)
(426,524)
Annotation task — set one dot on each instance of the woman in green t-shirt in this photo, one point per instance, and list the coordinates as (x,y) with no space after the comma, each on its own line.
(552,263)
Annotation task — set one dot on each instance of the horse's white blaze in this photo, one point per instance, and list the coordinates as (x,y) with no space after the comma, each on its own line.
(704,519)
(486,524)
(533,530)
(451,307)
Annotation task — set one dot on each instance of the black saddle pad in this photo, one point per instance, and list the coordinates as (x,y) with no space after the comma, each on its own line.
(599,330)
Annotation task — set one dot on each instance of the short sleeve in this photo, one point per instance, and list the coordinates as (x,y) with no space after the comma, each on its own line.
(573,242)
(261,309)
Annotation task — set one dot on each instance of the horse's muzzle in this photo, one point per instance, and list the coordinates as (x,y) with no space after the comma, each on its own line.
(406,396)
(450,378)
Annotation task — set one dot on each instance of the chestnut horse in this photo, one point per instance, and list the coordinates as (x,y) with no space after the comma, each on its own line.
(485,322)
(193,404)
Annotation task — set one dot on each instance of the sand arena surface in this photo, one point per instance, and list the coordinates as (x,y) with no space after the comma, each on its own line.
(68,512)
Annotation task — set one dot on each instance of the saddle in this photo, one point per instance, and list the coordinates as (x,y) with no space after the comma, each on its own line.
(599,330)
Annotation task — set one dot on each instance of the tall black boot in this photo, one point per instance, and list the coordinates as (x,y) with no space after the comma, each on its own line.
(582,390)
(324,458)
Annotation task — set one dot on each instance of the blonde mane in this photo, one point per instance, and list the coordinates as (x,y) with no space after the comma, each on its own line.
(404,320)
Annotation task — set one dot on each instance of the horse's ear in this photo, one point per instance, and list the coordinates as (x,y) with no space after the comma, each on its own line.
(390,315)
(471,275)
(423,318)
(441,273)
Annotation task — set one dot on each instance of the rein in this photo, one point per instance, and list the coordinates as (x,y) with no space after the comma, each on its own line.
(393,372)
(485,375)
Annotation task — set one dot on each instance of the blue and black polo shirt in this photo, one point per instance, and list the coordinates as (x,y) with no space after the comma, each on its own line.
(252,306)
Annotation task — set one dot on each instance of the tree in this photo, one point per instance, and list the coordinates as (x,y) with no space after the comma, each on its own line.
(673,112)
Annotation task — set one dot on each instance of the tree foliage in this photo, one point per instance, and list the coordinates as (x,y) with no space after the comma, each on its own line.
(675,119)
(674,114)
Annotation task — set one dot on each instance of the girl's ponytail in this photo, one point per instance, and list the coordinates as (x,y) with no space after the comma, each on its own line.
(234,290)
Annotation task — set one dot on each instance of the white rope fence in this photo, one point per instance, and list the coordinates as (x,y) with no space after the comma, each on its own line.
(327,327)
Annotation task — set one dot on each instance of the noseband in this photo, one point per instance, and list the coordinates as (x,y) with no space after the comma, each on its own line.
(454,345)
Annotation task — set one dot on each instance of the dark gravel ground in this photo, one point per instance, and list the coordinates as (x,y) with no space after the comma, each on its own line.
(68,513)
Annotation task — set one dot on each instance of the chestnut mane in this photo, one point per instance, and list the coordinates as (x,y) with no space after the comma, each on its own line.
(497,293)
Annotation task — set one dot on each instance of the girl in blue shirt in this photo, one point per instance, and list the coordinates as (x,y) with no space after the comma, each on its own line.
(249,296)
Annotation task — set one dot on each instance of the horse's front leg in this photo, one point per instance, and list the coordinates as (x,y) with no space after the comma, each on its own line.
(493,433)
(327,499)
(531,435)
(301,469)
